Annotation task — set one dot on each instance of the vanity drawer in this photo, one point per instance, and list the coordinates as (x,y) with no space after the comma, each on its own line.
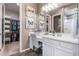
(46,40)
(57,43)
(62,44)
(67,45)
(62,52)
(54,42)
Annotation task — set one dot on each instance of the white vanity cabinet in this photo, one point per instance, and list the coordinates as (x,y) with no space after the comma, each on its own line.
(63,49)
(52,47)
(33,41)
(47,49)
(60,52)
(76,50)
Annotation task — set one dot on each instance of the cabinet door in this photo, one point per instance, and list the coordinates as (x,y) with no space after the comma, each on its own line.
(76,50)
(52,51)
(47,50)
(33,40)
(60,52)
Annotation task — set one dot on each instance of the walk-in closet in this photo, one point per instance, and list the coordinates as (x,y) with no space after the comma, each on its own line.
(10,28)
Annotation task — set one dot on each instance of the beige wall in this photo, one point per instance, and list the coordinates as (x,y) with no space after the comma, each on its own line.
(24,31)
(40,5)
(33,5)
(12,14)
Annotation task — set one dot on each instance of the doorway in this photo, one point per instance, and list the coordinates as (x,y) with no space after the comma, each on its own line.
(11,27)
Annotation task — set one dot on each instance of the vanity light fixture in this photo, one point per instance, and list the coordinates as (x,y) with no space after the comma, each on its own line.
(50,6)
(45,8)
(56,5)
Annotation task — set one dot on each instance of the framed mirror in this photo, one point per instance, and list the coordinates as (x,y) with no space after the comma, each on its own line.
(57,23)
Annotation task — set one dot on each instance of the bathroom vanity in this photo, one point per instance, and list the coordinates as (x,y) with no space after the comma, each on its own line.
(63,42)
(58,44)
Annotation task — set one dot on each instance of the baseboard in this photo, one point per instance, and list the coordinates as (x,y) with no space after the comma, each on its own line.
(24,50)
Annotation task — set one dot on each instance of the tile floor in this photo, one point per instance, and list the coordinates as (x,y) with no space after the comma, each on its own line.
(26,53)
(10,49)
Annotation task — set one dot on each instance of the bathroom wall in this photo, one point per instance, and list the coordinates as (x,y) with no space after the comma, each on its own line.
(12,14)
(40,5)
(24,32)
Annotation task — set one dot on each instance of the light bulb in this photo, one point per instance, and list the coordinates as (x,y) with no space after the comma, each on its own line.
(52,4)
(43,9)
(50,7)
(56,5)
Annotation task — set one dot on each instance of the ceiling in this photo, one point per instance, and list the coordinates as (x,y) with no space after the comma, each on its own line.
(12,6)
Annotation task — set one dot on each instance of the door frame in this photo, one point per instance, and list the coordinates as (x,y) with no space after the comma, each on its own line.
(3,18)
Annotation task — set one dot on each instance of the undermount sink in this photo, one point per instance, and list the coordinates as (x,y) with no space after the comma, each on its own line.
(46,33)
(54,34)
(58,35)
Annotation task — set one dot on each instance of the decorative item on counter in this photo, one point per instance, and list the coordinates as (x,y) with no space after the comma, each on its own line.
(52,31)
